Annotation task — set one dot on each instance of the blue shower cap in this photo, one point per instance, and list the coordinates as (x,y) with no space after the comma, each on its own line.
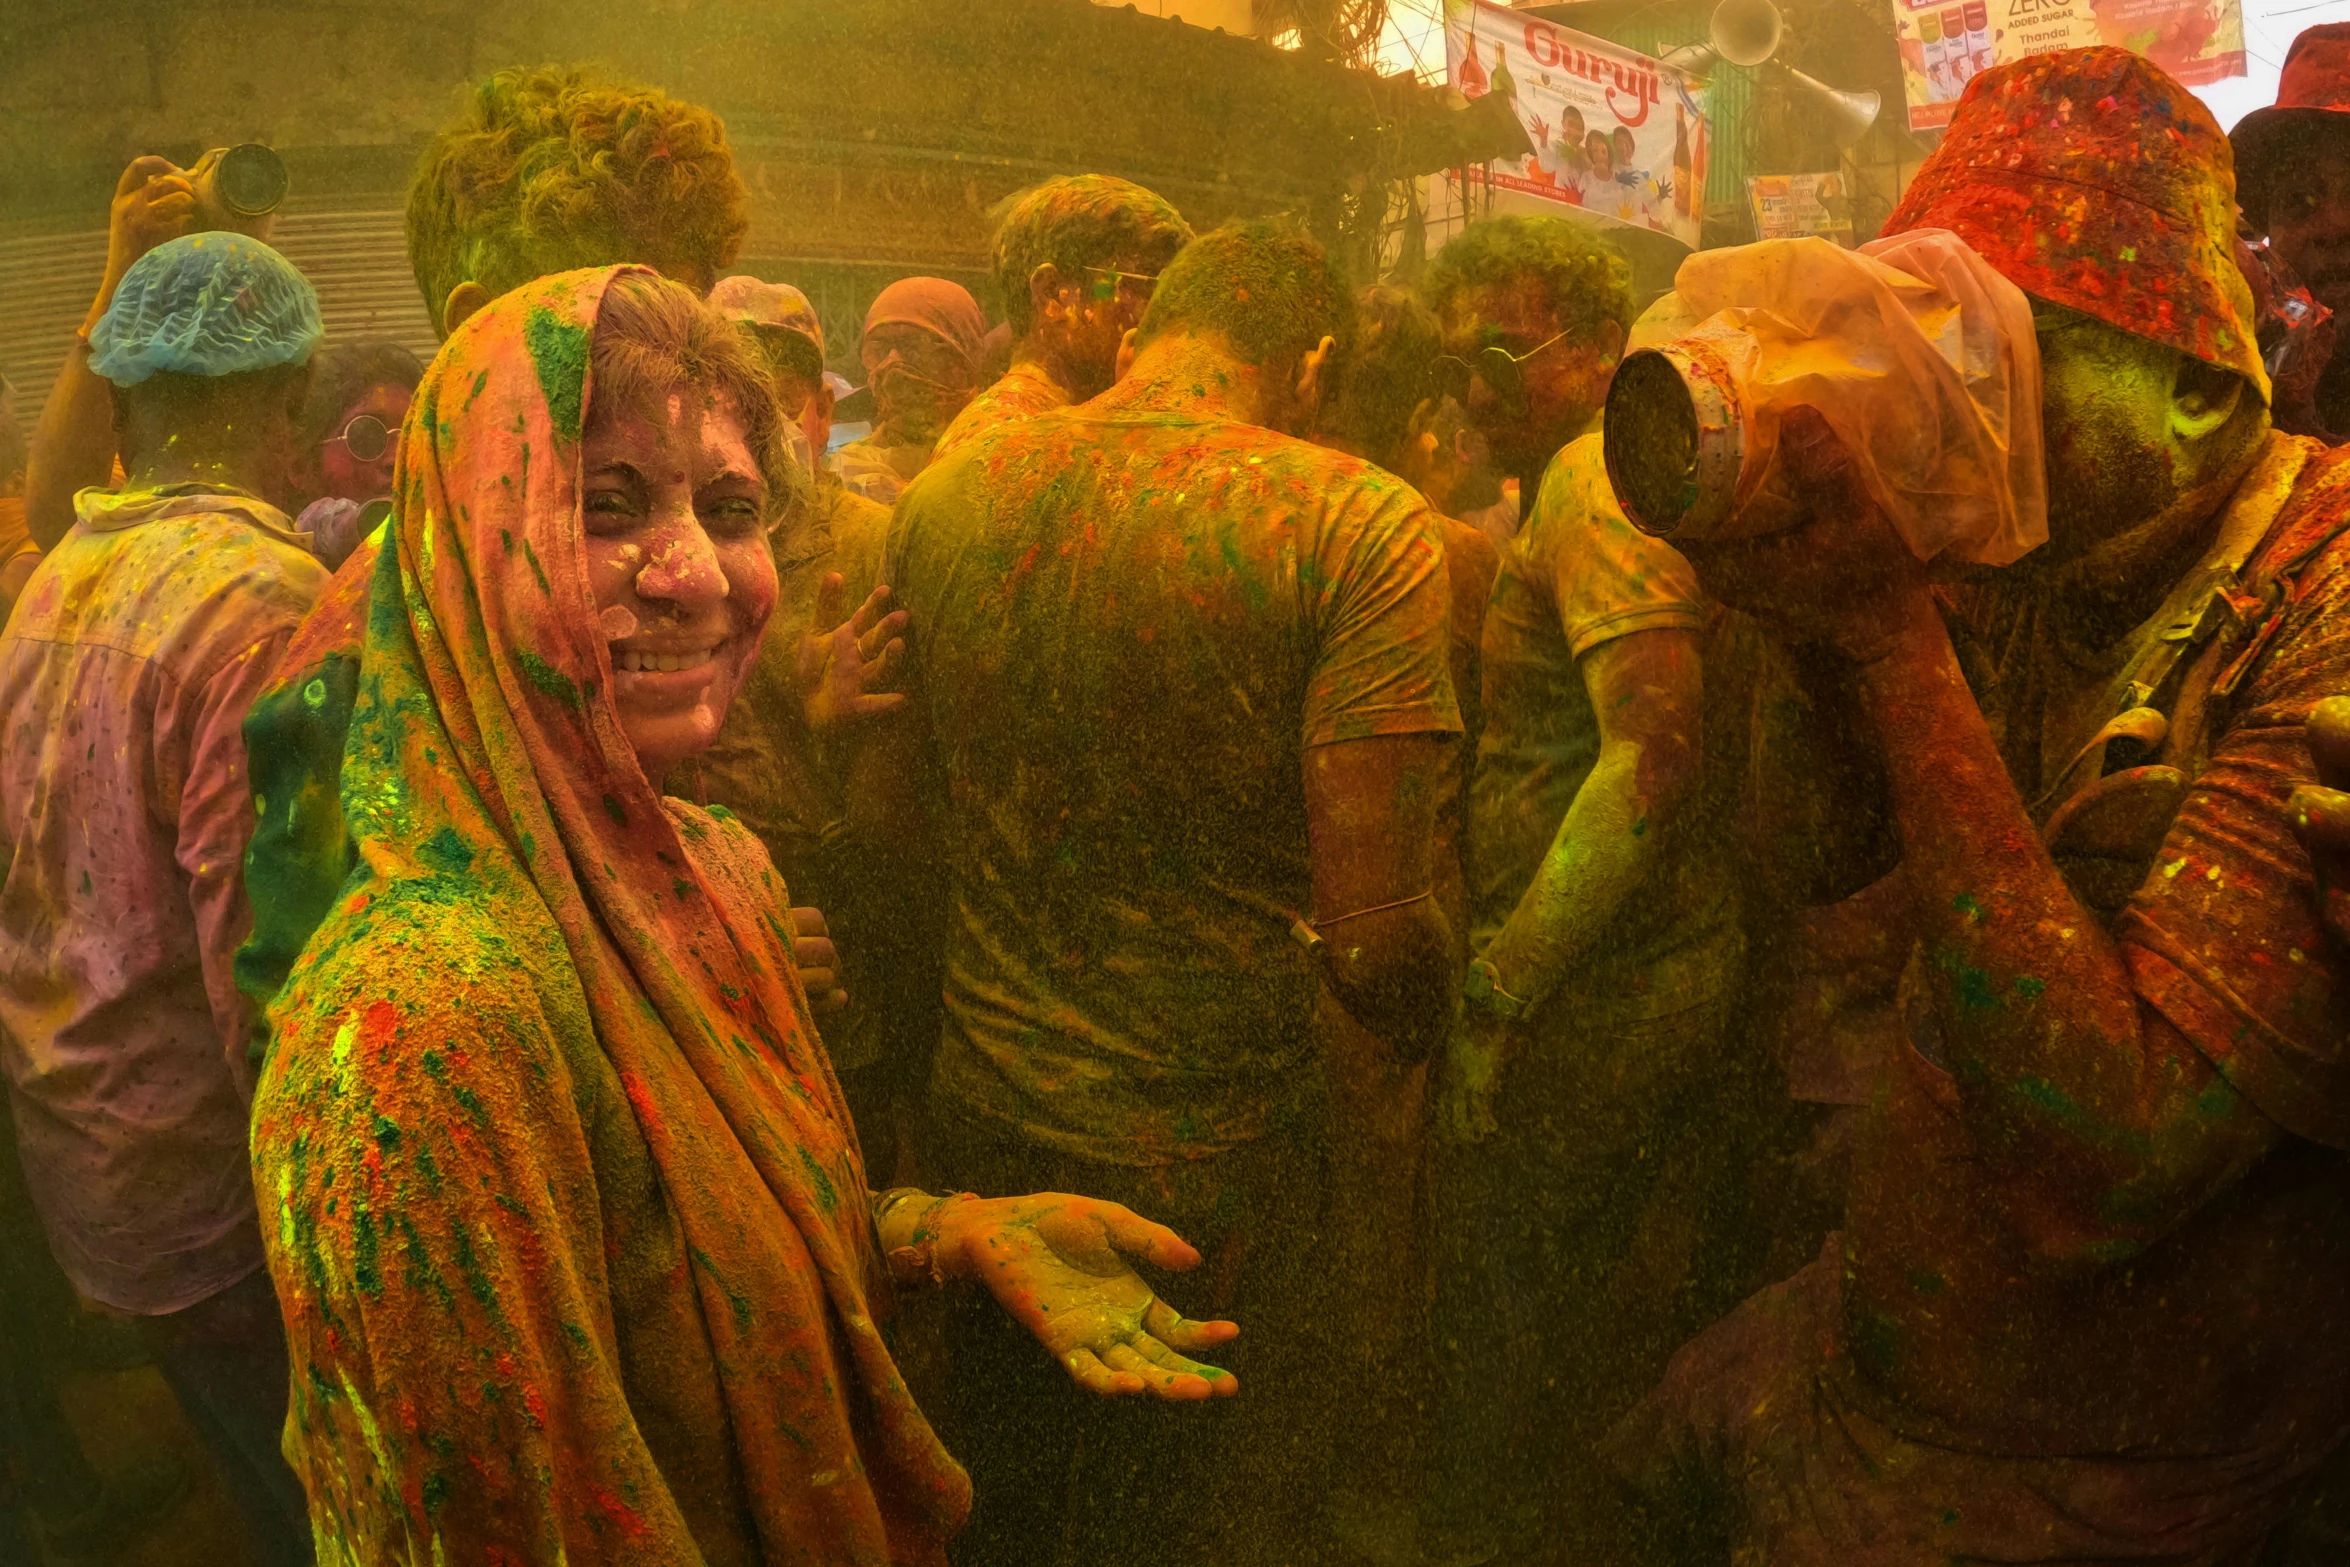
(206,304)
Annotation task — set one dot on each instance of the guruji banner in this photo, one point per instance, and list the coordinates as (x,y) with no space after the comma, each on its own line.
(1615,133)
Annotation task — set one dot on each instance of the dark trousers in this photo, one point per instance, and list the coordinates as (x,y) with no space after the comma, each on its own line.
(1065,1478)
(225,1358)
(1576,1248)
(45,1467)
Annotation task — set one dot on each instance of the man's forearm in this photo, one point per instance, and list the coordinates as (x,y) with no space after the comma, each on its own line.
(2028,983)
(1606,847)
(2071,1085)
(72,449)
(1395,974)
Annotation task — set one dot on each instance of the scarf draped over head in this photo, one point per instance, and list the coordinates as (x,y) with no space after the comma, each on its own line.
(519,901)
(944,309)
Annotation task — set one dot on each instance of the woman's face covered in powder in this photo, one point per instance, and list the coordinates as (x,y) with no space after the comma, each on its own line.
(675,513)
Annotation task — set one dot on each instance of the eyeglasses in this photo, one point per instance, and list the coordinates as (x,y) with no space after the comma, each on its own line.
(366,438)
(1107,279)
(1496,366)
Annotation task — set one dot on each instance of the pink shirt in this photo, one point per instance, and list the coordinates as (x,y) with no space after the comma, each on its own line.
(125,674)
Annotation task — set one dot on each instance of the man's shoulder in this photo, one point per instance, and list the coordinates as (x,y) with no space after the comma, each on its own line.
(2317,511)
(1021,392)
(174,587)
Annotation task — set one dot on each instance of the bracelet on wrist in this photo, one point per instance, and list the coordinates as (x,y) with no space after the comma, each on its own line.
(916,1262)
(1482,990)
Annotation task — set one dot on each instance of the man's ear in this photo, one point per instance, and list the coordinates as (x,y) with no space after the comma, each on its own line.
(1044,292)
(463,301)
(2203,398)
(1126,347)
(1611,342)
(1310,375)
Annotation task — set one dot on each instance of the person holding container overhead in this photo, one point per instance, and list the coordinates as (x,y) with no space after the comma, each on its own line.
(230,190)
(125,675)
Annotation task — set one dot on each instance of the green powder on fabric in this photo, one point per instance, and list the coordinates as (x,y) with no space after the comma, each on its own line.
(559,352)
(547,678)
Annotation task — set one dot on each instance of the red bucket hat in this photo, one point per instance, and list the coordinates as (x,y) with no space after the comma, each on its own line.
(2313,91)
(2091,179)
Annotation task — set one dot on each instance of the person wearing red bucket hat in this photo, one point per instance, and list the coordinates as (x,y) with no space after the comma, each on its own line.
(2293,183)
(2086,1304)
(2293,164)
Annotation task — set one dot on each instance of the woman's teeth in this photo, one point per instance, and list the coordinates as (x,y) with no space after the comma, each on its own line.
(632,663)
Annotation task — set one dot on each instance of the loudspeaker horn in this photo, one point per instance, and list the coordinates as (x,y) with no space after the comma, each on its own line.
(1743,32)
(1849,114)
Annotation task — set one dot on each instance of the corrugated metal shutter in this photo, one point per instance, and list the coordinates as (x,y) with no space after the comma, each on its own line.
(356,257)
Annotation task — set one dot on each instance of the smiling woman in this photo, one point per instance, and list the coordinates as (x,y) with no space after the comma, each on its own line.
(676,465)
(563,1208)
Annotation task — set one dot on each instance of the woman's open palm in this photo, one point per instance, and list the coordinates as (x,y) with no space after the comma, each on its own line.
(1059,1264)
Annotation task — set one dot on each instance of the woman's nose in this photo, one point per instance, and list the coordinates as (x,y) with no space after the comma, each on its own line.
(682,567)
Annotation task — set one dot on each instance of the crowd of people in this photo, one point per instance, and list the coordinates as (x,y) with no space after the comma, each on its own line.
(1130,968)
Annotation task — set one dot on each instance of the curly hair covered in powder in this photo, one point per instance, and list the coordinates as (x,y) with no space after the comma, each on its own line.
(1587,279)
(558,167)
(1265,286)
(1080,221)
(1391,372)
(653,336)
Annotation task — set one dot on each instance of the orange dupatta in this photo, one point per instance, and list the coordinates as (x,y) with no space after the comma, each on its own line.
(520,897)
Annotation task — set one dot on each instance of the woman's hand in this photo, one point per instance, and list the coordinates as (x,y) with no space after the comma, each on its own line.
(1059,1266)
(818,961)
(839,668)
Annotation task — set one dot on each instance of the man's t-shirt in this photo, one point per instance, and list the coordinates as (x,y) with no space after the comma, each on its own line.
(1022,392)
(1128,626)
(1576,576)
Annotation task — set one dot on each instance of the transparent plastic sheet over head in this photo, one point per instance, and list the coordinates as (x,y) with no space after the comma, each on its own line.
(1918,355)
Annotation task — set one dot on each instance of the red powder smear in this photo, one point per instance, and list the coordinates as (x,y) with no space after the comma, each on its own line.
(612,1507)
(648,1114)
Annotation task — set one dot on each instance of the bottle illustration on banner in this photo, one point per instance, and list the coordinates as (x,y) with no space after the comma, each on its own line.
(1930,35)
(1473,84)
(1684,171)
(1503,82)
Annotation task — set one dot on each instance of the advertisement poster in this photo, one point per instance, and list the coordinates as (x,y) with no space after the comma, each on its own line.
(1614,132)
(1792,206)
(1945,42)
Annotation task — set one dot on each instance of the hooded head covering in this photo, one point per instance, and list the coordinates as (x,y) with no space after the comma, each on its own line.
(206,304)
(520,908)
(2090,178)
(945,310)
